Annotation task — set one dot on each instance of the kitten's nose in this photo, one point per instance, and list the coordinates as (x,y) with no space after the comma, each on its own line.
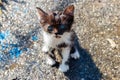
(56,31)
(59,33)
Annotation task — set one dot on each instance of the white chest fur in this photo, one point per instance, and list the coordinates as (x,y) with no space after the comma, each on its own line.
(51,41)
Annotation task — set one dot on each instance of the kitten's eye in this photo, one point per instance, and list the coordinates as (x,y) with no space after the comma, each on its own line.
(50,28)
(62,26)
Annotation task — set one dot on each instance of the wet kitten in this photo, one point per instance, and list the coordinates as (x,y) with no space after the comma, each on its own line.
(57,34)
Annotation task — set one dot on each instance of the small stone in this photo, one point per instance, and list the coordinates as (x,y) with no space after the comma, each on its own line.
(13,66)
(113,44)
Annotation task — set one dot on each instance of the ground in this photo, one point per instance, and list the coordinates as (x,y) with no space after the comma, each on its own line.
(97,26)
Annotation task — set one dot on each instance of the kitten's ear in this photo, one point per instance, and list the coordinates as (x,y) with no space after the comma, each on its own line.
(69,10)
(42,14)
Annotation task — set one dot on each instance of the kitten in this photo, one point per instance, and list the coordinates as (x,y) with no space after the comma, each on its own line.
(57,34)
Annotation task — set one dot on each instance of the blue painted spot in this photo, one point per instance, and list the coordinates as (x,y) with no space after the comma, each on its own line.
(7,33)
(15,52)
(2,36)
(4,47)
(34,38)
(12,50)
(13,45)
(1,56)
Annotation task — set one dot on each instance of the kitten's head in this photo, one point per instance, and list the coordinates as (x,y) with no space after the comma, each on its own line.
(57,23)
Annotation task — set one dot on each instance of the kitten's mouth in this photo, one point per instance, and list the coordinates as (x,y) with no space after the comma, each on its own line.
(58,36)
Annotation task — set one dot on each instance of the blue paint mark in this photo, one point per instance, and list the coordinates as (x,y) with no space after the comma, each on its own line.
(1,56)
(13,45)
(4,47)
(12,50)
(15,52)
(2,36)
(34,38)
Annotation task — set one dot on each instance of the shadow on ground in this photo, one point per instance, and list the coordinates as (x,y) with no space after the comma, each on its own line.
(84,68)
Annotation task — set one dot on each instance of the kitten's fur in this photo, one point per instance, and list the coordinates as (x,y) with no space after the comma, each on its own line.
(57,34)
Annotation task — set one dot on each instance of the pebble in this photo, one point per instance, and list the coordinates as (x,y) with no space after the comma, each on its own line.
(113,44)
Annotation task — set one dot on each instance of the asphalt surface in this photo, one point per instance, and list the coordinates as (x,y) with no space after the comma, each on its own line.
(97,26)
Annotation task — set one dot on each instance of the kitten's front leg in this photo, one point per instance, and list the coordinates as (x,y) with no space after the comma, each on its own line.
(64,67)
(45,47)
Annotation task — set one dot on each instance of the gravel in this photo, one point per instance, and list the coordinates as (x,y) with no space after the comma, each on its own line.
(97,26)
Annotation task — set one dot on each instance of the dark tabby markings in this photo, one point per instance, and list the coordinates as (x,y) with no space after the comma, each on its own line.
(51,54)
(55,54)
(62,45)
(57,57)
(58,36)
(60,22)
(56,64)
(72,50)
(60,51)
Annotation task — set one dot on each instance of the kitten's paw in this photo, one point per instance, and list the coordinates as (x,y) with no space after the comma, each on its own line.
(45,49)
(50,61)
(75,55)
(63,67)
